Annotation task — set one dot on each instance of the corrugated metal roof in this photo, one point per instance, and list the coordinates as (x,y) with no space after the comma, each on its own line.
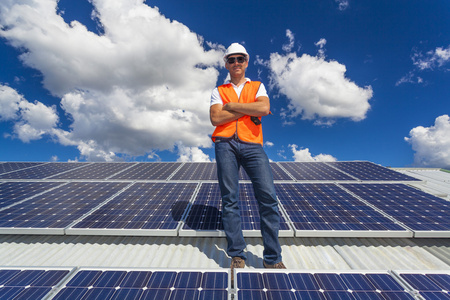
(175,252)
(434,181)
(198,252)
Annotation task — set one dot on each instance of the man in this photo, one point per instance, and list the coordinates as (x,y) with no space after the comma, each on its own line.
(236,110)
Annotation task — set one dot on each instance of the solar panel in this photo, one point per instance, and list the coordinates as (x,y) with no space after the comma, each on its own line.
(425,214)
(205,218)
(148,171)
(283,284)
(364,170)
(15,192)
(94,171)
(205,215)
(51,212)
(41,171)
(145,208)
(317,171)
(279,173)
(196,171)
(327,210)
(146,284)
(428,284)
(6,167)
(29,283)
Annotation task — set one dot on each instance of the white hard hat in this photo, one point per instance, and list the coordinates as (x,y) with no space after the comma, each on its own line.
(236,48)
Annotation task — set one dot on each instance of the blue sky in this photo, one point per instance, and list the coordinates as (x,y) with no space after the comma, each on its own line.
(131,80)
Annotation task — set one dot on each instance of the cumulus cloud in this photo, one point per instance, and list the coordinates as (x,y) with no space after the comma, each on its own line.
(431,60)
(32,120)
(9,103)
(317,89)
(191,154)
(431,144)
(143,84)
(303,155)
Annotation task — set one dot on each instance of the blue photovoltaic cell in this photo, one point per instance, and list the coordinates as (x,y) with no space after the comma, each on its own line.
(28,284)
(208,171)
(143,206)
(13,166)
(328,207)
(279,173)
(41,171)
(430,286)
(416,209)
(364,170)
(148,171)
(313,171)
(206,214)
(300,285)
(196,171)
(60,207)
(111,284)
(13,192)
(93,171)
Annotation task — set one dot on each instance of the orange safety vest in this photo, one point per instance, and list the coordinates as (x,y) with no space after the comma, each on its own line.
(245,129)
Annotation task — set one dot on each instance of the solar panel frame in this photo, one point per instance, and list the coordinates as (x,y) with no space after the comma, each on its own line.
(58,208)
(422,213)
(94,171)
(429,284)
(327,210)
(142,209)
(318,284)
(7,167)
(42,171)
(314,171)
(15,192)
(368,171)
(149,171)
(279,173)
(126,283)
(196,171)
(206,208)
(31,282)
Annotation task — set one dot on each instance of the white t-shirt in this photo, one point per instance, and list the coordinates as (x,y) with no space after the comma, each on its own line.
(216,99)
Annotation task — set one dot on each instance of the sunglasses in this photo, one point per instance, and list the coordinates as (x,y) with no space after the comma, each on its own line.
(240,60)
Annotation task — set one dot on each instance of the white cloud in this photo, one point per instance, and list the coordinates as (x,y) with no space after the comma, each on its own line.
(321,44)
(431,144)
(288,47)
(192,154)
(343,4)
(431,60)
(303,155)
(143,85)
(269,144)
(9,103)
(318,89)
(32,120)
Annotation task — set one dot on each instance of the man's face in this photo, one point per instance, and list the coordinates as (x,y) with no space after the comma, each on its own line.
(235,67)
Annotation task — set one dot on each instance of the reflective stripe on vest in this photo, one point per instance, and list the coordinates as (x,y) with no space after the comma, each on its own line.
(247,131)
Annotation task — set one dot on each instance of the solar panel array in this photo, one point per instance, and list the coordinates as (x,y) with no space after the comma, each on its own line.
(254,284)
(95,283)
(338,199)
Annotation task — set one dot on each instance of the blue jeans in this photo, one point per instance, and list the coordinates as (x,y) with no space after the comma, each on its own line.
(231,154)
